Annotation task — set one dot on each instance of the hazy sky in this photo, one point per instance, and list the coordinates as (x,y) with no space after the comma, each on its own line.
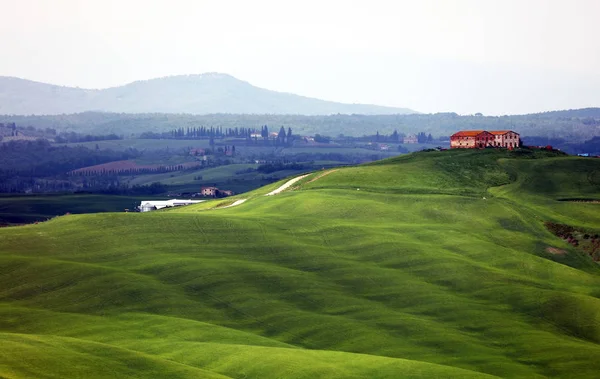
(466,56)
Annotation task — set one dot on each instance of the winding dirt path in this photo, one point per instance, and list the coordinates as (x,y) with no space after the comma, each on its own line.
(286,185)
(321,175)
(235,203)
(282,188)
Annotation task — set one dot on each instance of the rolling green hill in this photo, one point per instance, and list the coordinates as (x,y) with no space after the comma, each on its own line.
(429,265)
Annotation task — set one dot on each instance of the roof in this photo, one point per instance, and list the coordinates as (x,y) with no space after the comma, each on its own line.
(468,133)
(501,132)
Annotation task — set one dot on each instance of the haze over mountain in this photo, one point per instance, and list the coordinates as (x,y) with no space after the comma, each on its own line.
(195,94)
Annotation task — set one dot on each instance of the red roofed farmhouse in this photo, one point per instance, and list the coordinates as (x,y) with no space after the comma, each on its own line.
(478,139)
(471,139)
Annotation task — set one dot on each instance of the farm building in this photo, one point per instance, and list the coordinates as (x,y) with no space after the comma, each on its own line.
(215,192)
(150,205)
(506,138)
(209,191)
(477,139)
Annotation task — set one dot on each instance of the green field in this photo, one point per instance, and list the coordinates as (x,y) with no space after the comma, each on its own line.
(429,265)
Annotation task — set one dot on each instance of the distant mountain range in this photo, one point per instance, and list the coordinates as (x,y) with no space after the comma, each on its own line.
(194,94)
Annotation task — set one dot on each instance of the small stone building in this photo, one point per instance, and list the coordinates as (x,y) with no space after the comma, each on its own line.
(209,191)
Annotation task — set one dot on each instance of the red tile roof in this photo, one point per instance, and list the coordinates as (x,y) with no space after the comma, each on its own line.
(468,133)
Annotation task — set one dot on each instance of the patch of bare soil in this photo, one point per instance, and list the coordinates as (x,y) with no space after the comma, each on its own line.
(555,251)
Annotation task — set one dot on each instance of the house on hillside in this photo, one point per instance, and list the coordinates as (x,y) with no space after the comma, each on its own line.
(209,191)
(215,192)
(472,139)
(506,138)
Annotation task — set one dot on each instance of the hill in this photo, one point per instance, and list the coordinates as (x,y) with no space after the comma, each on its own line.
(433,264)
(591,113)
(550,125)
(193,94)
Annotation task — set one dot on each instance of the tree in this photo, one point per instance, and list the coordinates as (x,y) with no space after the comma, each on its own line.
(321,139)
(281,136)
(290,137)
(264,132)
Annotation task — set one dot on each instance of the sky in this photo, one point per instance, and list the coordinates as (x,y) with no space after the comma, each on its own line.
(464,56)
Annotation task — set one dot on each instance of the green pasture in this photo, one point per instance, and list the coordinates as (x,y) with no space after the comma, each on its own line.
(429,265)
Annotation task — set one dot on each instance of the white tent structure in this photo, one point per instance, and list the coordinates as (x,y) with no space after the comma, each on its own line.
(150,205)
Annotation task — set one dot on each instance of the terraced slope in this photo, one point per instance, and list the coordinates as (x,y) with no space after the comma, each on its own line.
(429,265)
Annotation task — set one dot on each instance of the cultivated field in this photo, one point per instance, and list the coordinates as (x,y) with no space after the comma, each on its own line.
(131,167)
(430,265)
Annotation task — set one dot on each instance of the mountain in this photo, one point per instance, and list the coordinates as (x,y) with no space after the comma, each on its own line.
(429,265)
(194,94)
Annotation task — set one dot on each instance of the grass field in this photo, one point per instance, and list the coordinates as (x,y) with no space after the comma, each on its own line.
(429,265)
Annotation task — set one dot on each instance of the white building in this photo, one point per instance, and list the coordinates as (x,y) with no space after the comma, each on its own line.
(150,205)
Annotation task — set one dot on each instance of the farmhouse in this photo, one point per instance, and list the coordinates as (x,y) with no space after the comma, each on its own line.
(209,191)
(506,138)
(215,192)
(477,139)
